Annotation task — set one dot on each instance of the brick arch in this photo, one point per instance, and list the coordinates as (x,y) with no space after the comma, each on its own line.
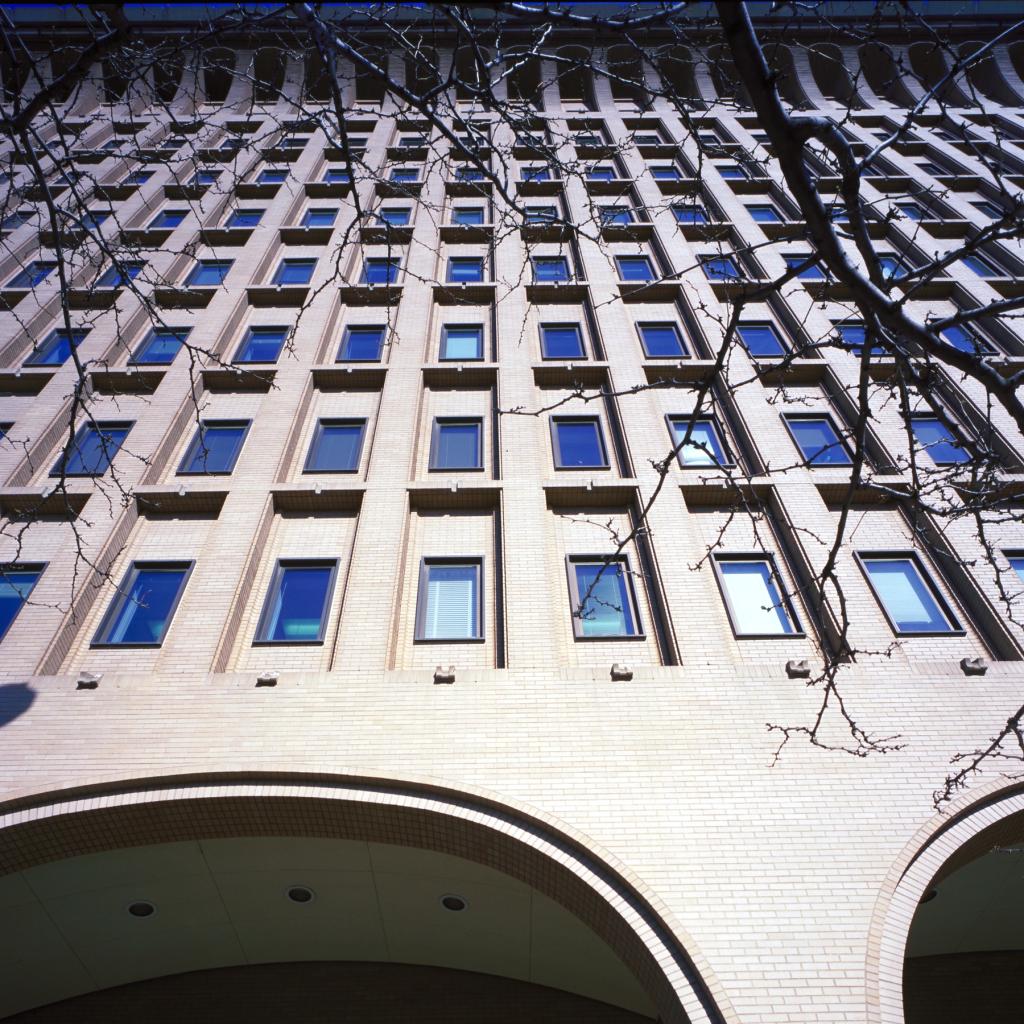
(947,841)
(558,861)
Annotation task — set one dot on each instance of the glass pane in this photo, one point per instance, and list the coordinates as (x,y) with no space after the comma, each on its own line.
(336,447)
(662,340)
(964,340)
(635,268)
(142,615)
(761,340)
(298,604)
(819,442)
(56,349)
(905,596)
(261,345)
(458,446)
(704,448)
(471,270)
(215,449)
(555,269)
(467,215)
(245,218)
(363,343)
(579,443)
(294,272)
(604,599)
(161,346)
(15,587)
(93,451)
(690,214)
(1016,564)
(765,214)
(319,218)
(933,436)
(562,342)
(451,610)
(462,343)
(754,598)
(720,268)
(380,271)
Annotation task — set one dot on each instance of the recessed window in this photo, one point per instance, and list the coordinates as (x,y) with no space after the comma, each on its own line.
(538,173)
(648,138)
(35,273)
(854,336)
(810,272)
(215,447)
(665,172)
(634,268)
(244,218)
(141,613)
(540,215)
(562,341)
(16,584)
(456,444)
(208,273)
(465,269)
(765,213)
(204,178)
(336,446)
(602,172)
(261,345)
(449,602)
(695,214)
(395,216)
(615,215)
(405,175)
(912,211)
(662,341)
(705,447)
(298,602)
(168,219)
(761,339)
(118,277)
(602,599)
(469,174)
(362,344)
(1015,558)
(549,269)
(272,176)
(57,348)
(381,269)
(938,441)
(16,219)
(470,215)
(320,217)
(720,268)
(336,176)
(991,210)
(753,597)
(92,450)
(462,342)
(137,178)
(161,345)
(894,267)
(578,442)
(908,597)
(982,266)
(818,440)
(731,171)
(294,272)
(966,340)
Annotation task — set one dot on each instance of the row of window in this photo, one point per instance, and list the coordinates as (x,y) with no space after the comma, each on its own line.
(449,604)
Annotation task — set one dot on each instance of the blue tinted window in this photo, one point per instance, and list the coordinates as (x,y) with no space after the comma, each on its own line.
(138,178)
(336,446)
(669,173)
(543,214)
(754,600)
(56,349)
(765,214)
(818,441)
(207,273)
(705,447)
(908,600)
(319,218)
(578,443)
(456,444)
(943,448)
(161,346)
(244,218)
(1016,564)
(761,339)
(813,272)
(205,177)
(92,450)
(616,215)
(16,583)
(561,341)
(141,613)
(469,174)
(362,344)
(272,176)
(536,173)
(448,604)
(662,340)
(981,266)
(397,216)
(168,218)
(334,176)
(294,272)
(731,171)
(602,600)
(117,277)
(381,270)
(214,448)
(912,211)
(720,268)
(33,274)
(466,268)
(405,175)
(261,345)
(690,214)
(965,340)
(893,267)
(297,603)
(634,268)
(468,215)
(16,219)
(854,337)
(601,173)
(550,268)
(462,341)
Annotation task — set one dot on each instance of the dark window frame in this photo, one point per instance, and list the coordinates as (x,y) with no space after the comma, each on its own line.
(575,598)
(956,626)
(179,332)
(194,447)
(786,350)
(445,328)
(477,562)
(116,606)
(578,327)
(435,439)
(253,330)
(684,349)
(830,420)
(11,567)
(259,639)
(316,439)
(347,333)
(722,440)
(553,423)
(97,425)
(798,631)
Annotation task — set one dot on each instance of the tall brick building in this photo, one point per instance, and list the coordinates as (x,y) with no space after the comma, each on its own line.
(337,681)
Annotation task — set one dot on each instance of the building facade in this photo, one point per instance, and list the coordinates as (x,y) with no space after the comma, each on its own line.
(336,671)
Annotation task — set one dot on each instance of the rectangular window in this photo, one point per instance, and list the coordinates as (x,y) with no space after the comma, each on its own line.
(705,447)
(35,273)
(396,216)
(141,613)
(667,172)
(634,268)
(168,219)
(539,173)
(616,215)
(578,442)
(912,211)
(548,269)
(602,598)
(731,171)
(753,597)
(214,448)
(938,441)
(1015,558)
(812,272)
(205,177)
(160,346)
(982,266)
(908,597)
(361,345)
(990,210)
(138,178)
(602,172)
(468,269)
(966,340)
(118,277)
(695,214)
(854,337)
(894,267)
(469,174)
(336,447)
(761,339)
(462,341)
(92,450)
(319,218)
(720,268)
(471,215)
(16,219)
(261,345)
(818,440)
(298,603)
(562,341)
(272,176)
(16,583)
(294,272)
(449,605)
(662,341)
(335,176)
(57,348)
(208,273)
(381,270)
(405,175)
(456,444)
(540,215)
(244,218)
(765,213)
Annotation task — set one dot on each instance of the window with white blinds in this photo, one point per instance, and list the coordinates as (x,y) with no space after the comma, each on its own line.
(448,607)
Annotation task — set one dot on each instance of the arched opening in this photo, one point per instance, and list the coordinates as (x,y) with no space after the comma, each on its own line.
(421,74)
(471,78)
(575,77)
(121,899)
(316,80)
(627,76)
(218,74)
(15,73)
(524,80)
(780,59)
(930,64)
(1016,52)
(985,76)
(831,75)
(268,68)
(116,72)
(678,72)
(168,68)
(725,78)
(884,75)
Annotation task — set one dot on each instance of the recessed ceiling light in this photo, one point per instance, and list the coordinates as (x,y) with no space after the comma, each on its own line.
(141,908)
(300,894)
(453,903)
